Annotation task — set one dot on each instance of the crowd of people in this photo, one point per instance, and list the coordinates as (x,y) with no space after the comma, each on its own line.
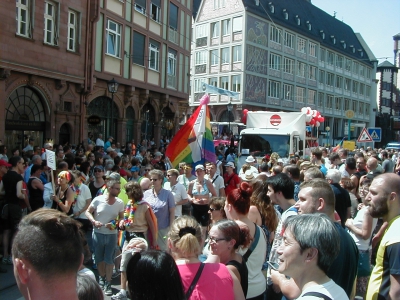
(322,227)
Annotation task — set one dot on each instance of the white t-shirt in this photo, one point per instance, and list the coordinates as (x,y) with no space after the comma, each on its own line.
(357,222)
(253,170)
(99,142)
(84,194)
(104,212)
(179,192)
(218,183)
(329,289)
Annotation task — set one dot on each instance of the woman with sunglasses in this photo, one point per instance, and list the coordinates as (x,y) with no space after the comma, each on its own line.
(199,191)
(163,204)
(64,196)
(226,236)
(214,280)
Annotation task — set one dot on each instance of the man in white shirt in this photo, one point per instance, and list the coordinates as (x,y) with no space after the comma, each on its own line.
(216,179)
(251,161)
(99,141)
(177,189)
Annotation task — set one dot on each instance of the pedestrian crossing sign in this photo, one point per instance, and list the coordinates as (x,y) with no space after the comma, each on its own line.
(364,137)
(375,133)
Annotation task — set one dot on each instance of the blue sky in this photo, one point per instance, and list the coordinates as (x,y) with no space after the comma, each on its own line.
(377,21)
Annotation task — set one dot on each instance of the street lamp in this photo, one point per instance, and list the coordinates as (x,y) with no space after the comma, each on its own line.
(327,129)
(229,107)
(112,88)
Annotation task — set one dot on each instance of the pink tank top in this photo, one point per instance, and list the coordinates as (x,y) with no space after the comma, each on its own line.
(215,281)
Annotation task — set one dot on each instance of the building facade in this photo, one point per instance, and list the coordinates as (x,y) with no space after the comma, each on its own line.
(282,56)
(58,57)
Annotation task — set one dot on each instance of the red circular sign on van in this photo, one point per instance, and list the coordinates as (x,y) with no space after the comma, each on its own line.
(275,120)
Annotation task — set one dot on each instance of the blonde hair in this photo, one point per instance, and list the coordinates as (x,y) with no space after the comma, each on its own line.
(185,235)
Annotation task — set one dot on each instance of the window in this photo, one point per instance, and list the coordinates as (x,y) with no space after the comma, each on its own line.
(214,57)
(367,91)
(362,71)
(226,27)
(236,83)
(354,105)
(321,98)
(215,29)
(346,104)
(355,67)
(274,89)
(50,23)
(348,65)
(330,78)
(113,32)
(274,61)
(300,92)
(347,84)
(154,55)
(288,65)
(224,83)
(171,62)
(366,111)
(288,91)
(173,16)
(301,45)
(329,101)
(201,58)
(368,73)
(301,69)
(322,52)
(214,81)
(219,4)
(140,6)
(338,103)
(198,85)
(237,53)
(289,38)
(237,24)
(331,58)
(312,73)
(355,87)
(361,108)
(321,77)
(339,61)
(312,49)
(72,30)
(275,34)
(362,87)
(311,96)
(225,57)
(156,10)
(138,48)
(201,31)
(23,18)
(339,81)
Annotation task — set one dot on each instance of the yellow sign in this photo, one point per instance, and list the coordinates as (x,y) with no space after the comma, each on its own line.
(349,145)
(349,114)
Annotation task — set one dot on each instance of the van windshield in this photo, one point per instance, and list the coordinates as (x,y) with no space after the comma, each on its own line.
(262,144)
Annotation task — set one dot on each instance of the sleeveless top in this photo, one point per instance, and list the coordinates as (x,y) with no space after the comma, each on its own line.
(242,268)
(56,206)
(195,191)
(35,195)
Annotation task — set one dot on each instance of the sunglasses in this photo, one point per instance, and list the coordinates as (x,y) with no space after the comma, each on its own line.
(98,171)
(154,179)
(147,169)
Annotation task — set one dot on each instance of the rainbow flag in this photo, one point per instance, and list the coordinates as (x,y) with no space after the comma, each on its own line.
(193,143)
(335,149)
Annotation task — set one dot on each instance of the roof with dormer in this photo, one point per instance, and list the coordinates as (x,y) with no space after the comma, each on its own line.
(386,65)
(338,35)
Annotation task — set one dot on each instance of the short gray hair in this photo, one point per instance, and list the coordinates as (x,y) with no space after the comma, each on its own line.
(158,173)
(316,231)
(333,175)
(110,183)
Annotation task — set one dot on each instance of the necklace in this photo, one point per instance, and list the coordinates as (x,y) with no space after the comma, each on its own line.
(77,190)
(129,214)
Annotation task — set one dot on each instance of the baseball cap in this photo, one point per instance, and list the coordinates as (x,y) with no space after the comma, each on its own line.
(230,164)
(135,169)
(4,163)
(199,167)
(99,167)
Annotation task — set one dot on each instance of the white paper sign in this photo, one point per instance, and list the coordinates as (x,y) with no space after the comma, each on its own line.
(51,159)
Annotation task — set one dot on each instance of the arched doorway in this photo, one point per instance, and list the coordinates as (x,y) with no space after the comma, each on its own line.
(130,116)
(148,117)
(101,107)
(167,122)
(64,135)
(25,118)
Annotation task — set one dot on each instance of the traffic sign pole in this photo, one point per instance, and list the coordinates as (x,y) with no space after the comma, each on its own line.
(349,130)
